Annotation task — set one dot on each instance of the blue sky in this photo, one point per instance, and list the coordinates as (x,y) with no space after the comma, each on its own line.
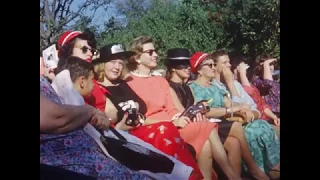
(101,15)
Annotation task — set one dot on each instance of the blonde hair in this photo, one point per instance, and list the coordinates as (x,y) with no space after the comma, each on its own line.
(137,46)
(99,71)
(125,71)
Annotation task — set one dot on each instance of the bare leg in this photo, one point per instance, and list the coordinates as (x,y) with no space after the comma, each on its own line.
(205,161)
(238,132)
(233,147)
(220,156)
(277,130)
(275,171)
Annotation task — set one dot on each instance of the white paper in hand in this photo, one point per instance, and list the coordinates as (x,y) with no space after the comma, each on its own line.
(50,57)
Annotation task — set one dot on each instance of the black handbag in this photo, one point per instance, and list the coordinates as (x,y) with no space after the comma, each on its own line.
(135,156)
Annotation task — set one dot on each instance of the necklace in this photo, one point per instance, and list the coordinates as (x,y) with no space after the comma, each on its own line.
(139,74)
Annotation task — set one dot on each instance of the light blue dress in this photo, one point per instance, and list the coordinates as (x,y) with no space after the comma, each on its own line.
(262,140)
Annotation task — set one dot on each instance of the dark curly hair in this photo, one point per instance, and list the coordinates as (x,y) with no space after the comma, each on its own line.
(65,51)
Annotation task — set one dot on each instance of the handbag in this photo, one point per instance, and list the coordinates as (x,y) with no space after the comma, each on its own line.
(200,107)
(135,156)
(240,117)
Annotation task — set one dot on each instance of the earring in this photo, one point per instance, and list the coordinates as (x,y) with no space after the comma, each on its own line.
(138,61)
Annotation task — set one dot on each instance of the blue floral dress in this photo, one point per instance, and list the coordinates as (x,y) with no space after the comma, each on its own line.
(76,151)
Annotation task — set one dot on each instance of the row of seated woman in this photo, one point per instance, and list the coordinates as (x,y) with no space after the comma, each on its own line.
(249,143)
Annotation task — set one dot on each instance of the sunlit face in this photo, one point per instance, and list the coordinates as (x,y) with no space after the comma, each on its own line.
(149,56)
(222,62)
(82,50)
(208,69)
(113,69)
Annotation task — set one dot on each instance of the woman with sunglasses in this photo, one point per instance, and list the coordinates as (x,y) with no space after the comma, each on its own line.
(263,80)
(178,73)
(121,98)
(75,43)
(259,135)
(155,92)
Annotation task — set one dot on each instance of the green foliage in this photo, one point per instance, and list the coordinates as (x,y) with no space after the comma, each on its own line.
(172,25)
(254,26)
(250,26)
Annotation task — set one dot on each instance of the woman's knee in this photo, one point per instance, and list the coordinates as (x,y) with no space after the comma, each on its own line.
(231,143)
(236,127)
(214,133)
(277,130)
(206,149)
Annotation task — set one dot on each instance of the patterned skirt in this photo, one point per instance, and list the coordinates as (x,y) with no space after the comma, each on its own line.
(166,137)
(264,144)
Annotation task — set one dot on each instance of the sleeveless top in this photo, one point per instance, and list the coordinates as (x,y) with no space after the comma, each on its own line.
(183,92)
(123,93)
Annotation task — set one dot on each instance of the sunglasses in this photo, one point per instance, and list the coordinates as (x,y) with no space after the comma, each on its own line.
(210,65)
(150,52)
(85,49)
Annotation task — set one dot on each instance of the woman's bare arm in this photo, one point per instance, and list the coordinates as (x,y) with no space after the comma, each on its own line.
(176,100)
(222,111)
(111,111)
(59,118)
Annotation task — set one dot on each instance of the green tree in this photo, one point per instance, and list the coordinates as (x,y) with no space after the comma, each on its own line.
(252,26)
(56,16)
(171,25)
(249,26)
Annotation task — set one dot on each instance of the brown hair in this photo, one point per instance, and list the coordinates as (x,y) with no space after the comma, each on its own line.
(235,59)
(137,46)
(257,68)
(216,54)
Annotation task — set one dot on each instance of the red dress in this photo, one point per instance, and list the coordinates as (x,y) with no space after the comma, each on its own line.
(98,97)
(257,98)
(163,135)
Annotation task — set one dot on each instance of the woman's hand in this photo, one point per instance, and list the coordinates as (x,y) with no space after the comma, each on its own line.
(242,68)
(268,62)
(200,118)
(249,114)
(181,122)
(49,73)
(122,124)
(276,121)
(100,120)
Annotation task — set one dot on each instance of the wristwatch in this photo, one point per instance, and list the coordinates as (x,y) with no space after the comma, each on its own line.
(228,110)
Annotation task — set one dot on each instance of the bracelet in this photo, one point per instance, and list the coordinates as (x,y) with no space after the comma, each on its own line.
(228,111)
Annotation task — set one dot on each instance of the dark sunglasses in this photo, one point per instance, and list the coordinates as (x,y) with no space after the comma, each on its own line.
(150,52)
(210,65)
(85,49)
